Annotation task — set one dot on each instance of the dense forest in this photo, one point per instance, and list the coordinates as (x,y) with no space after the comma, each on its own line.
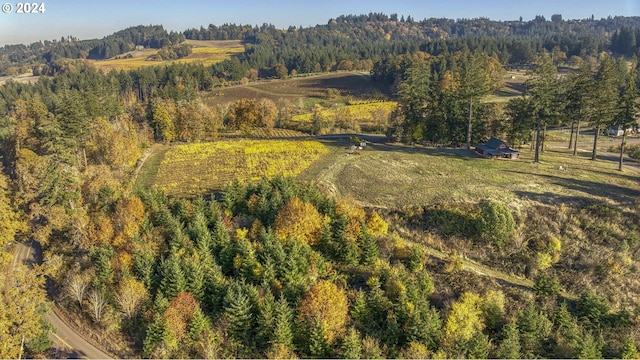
(277,268)
(349,40)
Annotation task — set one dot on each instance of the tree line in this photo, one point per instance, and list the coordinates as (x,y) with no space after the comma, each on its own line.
(437,96)
(352,38)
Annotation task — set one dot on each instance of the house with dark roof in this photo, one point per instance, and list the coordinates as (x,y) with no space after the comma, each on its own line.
(496,149)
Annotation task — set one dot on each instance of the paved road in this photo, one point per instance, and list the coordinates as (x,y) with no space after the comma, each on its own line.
(64,336)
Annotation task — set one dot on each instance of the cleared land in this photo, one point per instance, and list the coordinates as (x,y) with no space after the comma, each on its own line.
(306,90)
(26,78)
(513,86)
(204,52)
(365,111)
(192,169)
(393,176)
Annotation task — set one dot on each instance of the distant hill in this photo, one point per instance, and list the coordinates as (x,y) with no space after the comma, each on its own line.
(352,38)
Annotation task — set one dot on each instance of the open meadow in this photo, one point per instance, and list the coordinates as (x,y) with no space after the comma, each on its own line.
(393,176)
(204,52)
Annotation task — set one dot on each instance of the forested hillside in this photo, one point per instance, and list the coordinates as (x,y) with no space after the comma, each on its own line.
(538,259)
(348,41)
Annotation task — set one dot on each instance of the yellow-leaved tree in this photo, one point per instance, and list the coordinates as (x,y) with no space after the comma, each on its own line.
(22,305)
(10,222)
(355,215)
(22,296)
(128,217)
(298,219)
(376,224)
(464,319)
(326,304)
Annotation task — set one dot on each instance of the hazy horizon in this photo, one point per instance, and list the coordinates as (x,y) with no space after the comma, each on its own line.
(90,20)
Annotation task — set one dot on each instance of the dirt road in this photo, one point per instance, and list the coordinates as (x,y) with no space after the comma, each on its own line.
(64,337)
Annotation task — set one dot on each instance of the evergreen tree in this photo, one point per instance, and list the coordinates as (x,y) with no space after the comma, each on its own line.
(370,250)
(240,313)
(509,347)
(534,328)
(589,348)
(198,324)
(74,123)
(579,99)
(416,96)
(543,89)
(629,349)
(195,277)
(318,346)
(474,84)
(627,108)
(478,347)
(351,345)
(283,331)
(425,327)
(173,279)
(605,102)
(266,318)
(155,336)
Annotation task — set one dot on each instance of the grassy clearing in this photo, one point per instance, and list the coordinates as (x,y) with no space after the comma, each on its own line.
(207,53)
(396,176)
(149,169)
(192,169)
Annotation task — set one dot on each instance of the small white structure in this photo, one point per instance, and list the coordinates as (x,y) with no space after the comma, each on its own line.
(617,130)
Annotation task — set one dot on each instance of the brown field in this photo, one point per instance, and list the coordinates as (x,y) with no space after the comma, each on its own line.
(215,43)
(26,78)
(355,85)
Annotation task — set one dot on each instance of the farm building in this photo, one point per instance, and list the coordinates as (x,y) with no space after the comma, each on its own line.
(496,149)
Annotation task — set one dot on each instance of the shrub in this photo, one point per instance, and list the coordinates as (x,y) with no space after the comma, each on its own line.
(496,223)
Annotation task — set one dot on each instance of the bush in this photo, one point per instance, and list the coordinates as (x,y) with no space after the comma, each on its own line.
(496,223)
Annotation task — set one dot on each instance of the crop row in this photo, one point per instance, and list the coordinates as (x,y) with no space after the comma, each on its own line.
(361,112)
(192,169)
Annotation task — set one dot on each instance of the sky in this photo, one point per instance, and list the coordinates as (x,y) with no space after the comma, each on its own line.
(96,19)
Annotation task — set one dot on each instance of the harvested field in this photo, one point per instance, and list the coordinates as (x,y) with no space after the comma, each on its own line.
(356,85)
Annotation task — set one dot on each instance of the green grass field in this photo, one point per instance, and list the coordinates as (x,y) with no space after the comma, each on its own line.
(393,176)
(396,176)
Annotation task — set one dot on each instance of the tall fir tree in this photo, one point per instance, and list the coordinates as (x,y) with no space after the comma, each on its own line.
(542,89)
(579,98)
(173,279)
(606,100)
(627,108)
(474,84)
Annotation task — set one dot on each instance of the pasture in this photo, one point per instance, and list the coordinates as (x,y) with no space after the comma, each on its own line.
(394,176)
